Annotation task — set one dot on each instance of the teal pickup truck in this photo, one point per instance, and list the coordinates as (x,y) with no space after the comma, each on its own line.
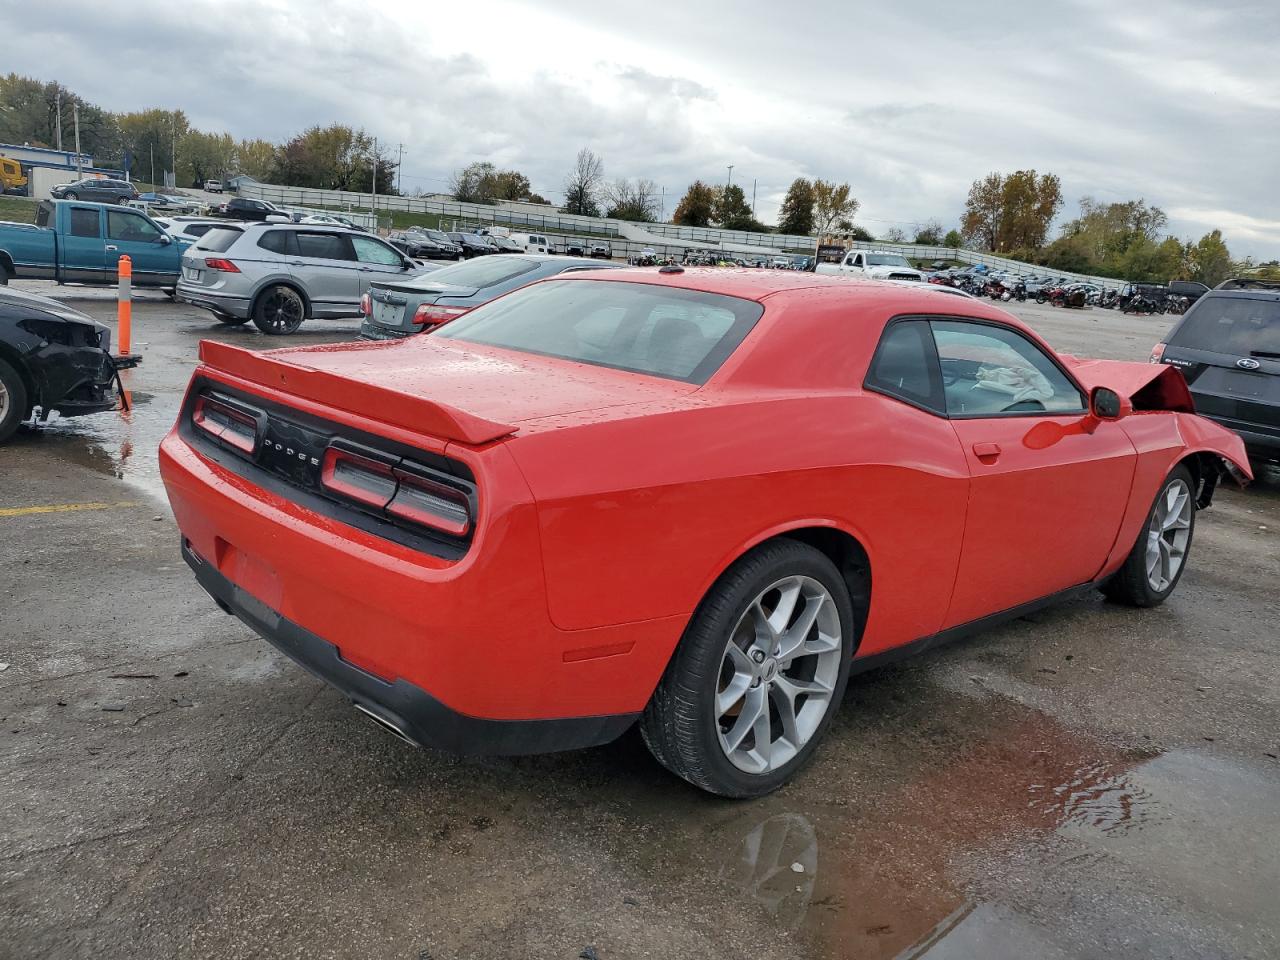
(77,242)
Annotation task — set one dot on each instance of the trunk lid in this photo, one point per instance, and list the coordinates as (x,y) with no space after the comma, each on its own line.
(447,389)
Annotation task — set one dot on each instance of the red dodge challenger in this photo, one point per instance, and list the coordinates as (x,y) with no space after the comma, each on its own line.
(696,500)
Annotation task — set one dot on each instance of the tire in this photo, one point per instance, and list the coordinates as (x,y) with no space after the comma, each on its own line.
(231,321)
(279,311)
(1040,298)
(124,200)
(1134,584)
(684,724)
(13,401)
(4,275)
(71,195)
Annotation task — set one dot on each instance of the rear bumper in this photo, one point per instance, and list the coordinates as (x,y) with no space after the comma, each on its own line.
(376,331)
(219,303)
(408,709)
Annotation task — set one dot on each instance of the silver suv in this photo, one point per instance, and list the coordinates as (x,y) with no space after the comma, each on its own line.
(278,275)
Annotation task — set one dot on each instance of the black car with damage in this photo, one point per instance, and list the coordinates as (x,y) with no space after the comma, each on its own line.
(53,358)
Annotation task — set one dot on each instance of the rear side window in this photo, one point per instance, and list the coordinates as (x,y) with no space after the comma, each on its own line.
(663,331)
(1238,326)
(904,366)
(276,241)
(84,223)
(324,246)
(218,240)
(479,273)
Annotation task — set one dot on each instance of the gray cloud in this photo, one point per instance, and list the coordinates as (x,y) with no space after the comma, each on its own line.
(1174,101)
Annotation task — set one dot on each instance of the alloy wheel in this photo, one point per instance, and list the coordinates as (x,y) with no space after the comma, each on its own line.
(1168,534)
(283,311)
(777,674)
(4,401)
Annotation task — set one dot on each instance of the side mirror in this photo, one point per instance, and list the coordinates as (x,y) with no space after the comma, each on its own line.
(1106,404)
(165,239)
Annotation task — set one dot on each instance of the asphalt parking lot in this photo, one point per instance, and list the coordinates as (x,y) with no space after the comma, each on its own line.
(1092,781)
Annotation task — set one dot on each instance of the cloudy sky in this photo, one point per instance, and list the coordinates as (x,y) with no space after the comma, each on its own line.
(1176,102)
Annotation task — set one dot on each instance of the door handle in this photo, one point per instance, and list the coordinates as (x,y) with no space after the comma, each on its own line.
(986,451)
(111,248)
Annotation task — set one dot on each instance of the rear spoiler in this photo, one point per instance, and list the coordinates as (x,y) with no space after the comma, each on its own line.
(418,414)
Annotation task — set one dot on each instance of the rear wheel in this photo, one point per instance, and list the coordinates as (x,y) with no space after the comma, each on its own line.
(1156,562)
(758,675)
(71,195)
(279,311)
(13,401)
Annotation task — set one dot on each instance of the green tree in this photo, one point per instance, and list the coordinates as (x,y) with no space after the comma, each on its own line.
(831,203)
(731,211)
(1210,259)
(930,233)
(696,207)
(335,157)
(1106,231)
(796,214)
(474,183)
(205,156)
(1068,254)
(582,185)
(953,240)
(151,136)
(256,158)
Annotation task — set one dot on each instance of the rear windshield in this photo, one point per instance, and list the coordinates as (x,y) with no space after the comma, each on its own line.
(1235,325)
(646,328)
(479,273)
(219,239)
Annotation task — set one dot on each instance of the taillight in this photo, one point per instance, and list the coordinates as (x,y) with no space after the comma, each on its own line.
(430,504)
(1157,353)
(220,264)
(430,314)
(366,305)
(225,423)
(402,490)
(357,478)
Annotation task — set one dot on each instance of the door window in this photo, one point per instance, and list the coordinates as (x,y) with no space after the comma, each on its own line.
(84,223)
(131,227)
(371,251)
(904,366)
(988,371)
(324,246)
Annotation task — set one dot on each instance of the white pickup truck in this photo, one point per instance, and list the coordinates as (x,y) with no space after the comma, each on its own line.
(874,264)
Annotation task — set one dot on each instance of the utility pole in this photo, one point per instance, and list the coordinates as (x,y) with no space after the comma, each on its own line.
(58,119)
(730,175)
(373,187)
(753,199)
(75,116)
(152,147)
(173,129)
(399,167)
(662,215)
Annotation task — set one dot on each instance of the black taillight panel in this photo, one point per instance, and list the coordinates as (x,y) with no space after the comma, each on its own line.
(405,494)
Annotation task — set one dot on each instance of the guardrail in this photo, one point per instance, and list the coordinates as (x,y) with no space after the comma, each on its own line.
(977,257)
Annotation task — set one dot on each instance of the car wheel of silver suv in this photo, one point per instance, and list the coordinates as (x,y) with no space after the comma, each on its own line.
(279,311)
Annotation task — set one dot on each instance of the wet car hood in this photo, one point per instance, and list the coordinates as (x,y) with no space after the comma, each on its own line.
(48,305)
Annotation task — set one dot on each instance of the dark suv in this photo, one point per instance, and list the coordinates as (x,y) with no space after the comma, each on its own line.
(1228,347)
(246,208)
(96,190)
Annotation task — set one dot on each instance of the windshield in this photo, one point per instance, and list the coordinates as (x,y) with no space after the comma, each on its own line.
(480,273)
(886,260)
(645,328)
(1235,325)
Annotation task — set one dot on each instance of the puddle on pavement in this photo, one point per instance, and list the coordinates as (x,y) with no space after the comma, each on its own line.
(923,845)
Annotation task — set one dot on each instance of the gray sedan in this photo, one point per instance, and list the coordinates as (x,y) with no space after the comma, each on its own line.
(398,308)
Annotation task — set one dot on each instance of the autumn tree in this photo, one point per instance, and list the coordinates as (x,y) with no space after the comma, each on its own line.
(831,203)
(1013,212)
(796,214)
(205,156)
(151,136)
(1210,260)
(582,185)
(336,157)
(636,200)
(894,235)
(256,158)
(697,207)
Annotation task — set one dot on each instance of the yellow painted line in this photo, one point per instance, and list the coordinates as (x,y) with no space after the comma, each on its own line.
(64,508)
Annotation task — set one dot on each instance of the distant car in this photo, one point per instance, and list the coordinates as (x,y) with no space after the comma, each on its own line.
(279,275)
(472,244)
(576,247)
(1227,345)
(532,242)
(400,308)
(601,250)
(213,186)
(321,218)
(170,202)
(247,208)
(435,244)
(505,244)
(190,229)
(54,358)
(97,190)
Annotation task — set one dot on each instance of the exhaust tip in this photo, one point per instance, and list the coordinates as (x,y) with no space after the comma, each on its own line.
(385,724)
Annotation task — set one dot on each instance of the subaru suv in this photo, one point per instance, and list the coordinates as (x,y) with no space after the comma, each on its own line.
(1228,347)
(278,275)
(399,308)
